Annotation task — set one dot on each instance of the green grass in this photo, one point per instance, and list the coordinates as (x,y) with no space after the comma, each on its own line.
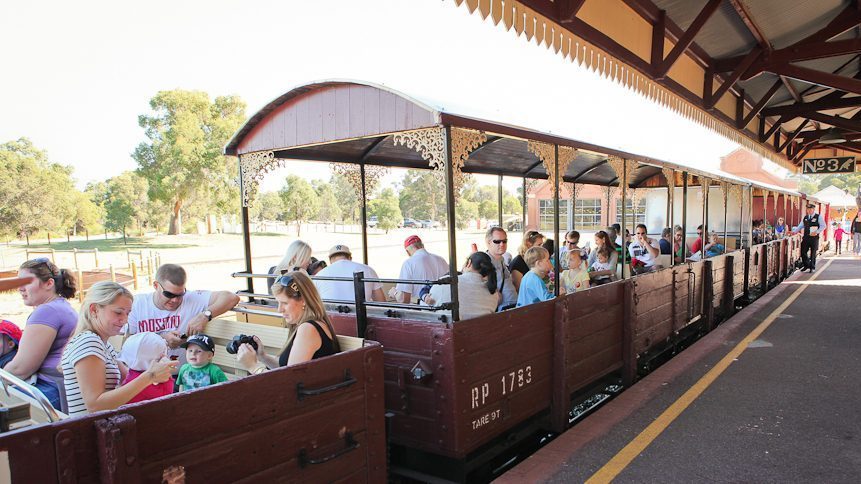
(110,245)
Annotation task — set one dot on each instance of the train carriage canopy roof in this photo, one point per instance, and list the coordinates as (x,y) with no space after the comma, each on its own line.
(780,77)
(344,121)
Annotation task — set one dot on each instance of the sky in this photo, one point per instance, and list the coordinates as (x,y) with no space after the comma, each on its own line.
(80,73)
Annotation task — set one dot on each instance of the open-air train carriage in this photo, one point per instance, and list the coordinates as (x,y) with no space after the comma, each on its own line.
(462,392)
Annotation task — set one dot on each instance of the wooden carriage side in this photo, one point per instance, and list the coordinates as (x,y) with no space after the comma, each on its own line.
(321,420)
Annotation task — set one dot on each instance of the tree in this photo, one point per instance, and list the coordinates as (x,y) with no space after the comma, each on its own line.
(329,210)
(34,193)
(299,200)
(387,210)
(349,203)
(182,158)
(465,210)
(422,195)
(267,206)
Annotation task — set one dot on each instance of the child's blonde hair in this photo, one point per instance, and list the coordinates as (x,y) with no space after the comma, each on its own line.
(574,253)
(534,255)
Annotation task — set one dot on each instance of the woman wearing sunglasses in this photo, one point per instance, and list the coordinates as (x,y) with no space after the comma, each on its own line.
(48,327)
(312,335)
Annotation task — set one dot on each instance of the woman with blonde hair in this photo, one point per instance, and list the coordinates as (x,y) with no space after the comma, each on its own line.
(312,335)
(297,257)
(518,266)
(91,371)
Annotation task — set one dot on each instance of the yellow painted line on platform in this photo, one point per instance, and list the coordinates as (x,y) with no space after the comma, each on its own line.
(630,452)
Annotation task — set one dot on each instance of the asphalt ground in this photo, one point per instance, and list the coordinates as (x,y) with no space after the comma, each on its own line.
(772,395)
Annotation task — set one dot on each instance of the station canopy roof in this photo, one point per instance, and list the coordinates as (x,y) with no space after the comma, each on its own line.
(780,77)
(357,123)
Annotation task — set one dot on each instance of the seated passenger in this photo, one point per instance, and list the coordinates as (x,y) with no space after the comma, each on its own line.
(680,249)
(644,251)
(139,352)
(421,265)
(341,265)
(91,370)
(518,267)
(603,239)
(48,328)
(714,247)
(666,241)
(576,277)
(200,371)
(572,242)
(550,245)
(496,241)
(476,288)
(602,270)
(312,334)
(532,287)
(698,244)
(297,257)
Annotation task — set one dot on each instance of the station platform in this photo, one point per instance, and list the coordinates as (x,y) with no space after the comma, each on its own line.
(771,395)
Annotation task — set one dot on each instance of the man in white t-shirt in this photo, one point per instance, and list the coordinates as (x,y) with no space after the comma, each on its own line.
(422,265)
(172,312)
(341,265)
(643,248)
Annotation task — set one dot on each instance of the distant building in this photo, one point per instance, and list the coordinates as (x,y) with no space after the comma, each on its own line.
(744,164)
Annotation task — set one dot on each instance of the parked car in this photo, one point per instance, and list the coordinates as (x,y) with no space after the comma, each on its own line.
(372,221)
(411,224)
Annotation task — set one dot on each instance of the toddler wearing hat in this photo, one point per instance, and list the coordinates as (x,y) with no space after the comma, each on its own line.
(10,336)
(200,371)
(139,352)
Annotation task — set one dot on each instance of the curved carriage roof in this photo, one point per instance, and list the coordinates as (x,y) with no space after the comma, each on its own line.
(347,121)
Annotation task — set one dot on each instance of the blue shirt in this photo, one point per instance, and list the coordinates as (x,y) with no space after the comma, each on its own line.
(532,290)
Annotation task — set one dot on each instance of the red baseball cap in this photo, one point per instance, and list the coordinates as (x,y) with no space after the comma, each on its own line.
(412,239)
(11,330)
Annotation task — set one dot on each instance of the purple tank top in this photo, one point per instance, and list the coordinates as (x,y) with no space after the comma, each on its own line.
(57,314)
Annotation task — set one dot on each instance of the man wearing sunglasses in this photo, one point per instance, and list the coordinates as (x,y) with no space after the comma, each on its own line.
(497,244)
(172,312)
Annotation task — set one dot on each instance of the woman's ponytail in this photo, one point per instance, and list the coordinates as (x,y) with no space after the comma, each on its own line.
(66,284)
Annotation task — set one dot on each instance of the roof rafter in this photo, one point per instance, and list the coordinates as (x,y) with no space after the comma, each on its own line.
(801,109)
(812,76)
(687,39)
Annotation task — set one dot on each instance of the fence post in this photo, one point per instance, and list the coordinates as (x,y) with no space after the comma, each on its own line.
(135,277)
(81,285)
(149,269)
(113,274)
(52,254)
(129,258)
(96,253)
(75,255)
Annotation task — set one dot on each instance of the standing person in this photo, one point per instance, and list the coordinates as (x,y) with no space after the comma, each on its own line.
(48,327)
(496,240)
(172,311)
(476,288)
(517,266)
(838,237)
(532,287)
(421,265)
(856,234)
(312,334)
(91,371)
(809,227)
(341,264)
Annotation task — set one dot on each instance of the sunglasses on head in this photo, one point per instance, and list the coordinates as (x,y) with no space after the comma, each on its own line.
(169,294)
(287,281)
(499,241)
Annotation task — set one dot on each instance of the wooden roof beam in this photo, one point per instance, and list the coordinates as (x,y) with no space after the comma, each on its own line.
(803,108)
(567,10)
(845,20)
(817,133)
(751,24)
(794,135)
(811,76)
(687,39)
(712,98)
(836,121)
(761,104)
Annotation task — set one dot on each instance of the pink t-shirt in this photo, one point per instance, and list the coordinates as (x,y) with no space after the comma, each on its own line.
(57,314)
(838,234)
(151,391)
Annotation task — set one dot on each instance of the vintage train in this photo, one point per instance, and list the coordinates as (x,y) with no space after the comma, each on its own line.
(463,398)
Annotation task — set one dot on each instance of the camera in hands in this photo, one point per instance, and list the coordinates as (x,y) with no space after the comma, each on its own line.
(239,340)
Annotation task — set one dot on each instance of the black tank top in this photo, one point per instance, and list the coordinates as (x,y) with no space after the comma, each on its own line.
(327,347)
